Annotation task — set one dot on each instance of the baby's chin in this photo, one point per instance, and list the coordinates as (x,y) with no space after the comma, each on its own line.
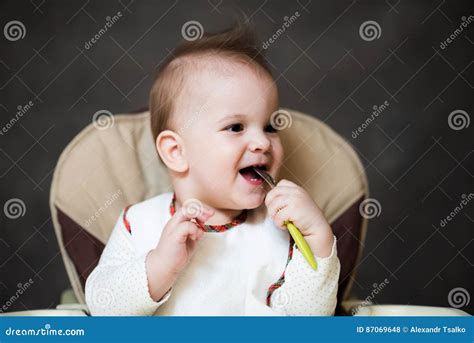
(251,201)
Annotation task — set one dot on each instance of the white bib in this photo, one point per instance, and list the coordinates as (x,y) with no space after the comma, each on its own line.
(231,271)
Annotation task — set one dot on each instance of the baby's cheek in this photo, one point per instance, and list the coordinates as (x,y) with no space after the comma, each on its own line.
(278,152)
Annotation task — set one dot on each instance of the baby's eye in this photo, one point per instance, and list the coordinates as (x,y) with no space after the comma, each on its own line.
(270,128)
(235,128)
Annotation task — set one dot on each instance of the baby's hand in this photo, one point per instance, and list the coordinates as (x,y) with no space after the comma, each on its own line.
(177,244)
(290,202)
(179,238)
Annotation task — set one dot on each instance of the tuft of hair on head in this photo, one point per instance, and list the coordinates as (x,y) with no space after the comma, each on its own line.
(237,42)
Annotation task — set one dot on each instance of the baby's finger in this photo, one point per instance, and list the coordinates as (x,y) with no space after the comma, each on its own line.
(275,197)
(285,182)
(185,231)
(193,209)
(200,233)
(278,203)
(281,216)
(279,191)
(205,215)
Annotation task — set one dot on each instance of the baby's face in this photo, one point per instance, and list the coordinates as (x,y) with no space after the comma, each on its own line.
(226,128)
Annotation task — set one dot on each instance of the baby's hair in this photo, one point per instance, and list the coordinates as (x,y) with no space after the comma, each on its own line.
(237,43)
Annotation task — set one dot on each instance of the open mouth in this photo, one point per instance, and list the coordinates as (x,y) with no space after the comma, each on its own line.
(249,174)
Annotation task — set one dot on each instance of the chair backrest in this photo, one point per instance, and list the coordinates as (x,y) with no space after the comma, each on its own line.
(107,168)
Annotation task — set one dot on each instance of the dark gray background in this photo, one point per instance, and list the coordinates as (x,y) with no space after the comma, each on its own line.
(418,167)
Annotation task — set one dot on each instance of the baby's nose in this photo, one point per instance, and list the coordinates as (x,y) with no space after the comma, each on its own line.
(259,144)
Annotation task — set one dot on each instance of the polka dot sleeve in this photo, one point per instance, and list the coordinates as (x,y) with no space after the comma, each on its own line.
(308,292)
(118,286)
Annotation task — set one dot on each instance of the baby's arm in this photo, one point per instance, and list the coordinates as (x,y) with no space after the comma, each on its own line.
(126,282)
(119,284)
(305,291)
(308,292)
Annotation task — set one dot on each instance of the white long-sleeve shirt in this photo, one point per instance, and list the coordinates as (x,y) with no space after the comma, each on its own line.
(230,273)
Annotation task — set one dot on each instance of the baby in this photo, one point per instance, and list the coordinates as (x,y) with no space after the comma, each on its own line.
(217,245)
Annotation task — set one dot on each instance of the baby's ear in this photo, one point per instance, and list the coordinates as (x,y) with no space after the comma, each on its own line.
(171,149)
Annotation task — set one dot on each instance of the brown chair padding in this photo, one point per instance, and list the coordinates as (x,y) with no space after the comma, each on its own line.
(102,171)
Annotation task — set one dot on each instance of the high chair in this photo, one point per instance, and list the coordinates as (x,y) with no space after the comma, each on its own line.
(106,168)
